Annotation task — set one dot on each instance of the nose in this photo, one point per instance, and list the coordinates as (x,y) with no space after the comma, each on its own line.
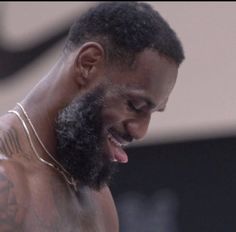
(137,127)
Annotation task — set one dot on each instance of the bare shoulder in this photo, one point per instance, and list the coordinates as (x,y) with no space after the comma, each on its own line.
(109,212)
(12,196)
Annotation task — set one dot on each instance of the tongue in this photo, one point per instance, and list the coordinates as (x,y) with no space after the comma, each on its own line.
(119,154)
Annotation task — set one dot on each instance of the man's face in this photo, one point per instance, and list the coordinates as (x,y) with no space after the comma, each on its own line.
(94,128)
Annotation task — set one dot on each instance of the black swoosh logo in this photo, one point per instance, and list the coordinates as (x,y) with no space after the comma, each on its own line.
(12,61)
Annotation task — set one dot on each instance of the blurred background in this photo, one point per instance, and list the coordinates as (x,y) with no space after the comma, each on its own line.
(182,176)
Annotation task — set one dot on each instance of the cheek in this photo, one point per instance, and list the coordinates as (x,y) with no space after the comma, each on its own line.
(114,113)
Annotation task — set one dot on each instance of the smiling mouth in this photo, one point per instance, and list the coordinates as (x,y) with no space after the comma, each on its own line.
(116,146)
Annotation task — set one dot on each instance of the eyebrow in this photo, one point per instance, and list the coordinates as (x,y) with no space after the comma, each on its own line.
(150,103)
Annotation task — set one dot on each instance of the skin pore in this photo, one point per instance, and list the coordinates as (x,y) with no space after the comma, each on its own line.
(120,103)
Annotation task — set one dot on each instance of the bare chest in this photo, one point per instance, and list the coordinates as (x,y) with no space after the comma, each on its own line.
(60,211)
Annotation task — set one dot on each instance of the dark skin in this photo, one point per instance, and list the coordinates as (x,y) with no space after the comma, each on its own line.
(34,196)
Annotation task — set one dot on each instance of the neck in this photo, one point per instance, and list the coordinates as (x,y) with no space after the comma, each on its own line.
(43,103)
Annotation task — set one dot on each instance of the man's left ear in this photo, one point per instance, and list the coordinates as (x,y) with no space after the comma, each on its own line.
(89,63)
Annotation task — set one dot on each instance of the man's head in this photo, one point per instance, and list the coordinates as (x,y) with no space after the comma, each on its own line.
(124,60)
(124,29)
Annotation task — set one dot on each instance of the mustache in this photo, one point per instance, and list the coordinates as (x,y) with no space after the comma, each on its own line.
(123,136)
(127,138)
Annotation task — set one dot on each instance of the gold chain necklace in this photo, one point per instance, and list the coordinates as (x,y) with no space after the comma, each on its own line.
(67,176)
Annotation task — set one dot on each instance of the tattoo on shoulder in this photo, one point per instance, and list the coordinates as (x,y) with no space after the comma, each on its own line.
(8,206)
(9,143)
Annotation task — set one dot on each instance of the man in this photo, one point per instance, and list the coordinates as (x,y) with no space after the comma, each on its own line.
(61,144)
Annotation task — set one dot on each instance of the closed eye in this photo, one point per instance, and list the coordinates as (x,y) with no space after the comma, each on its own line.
(133,107)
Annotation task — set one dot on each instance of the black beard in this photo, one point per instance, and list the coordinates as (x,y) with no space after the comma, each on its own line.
(80,140)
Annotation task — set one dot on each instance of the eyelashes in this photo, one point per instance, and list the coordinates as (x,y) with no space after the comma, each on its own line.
(133,107)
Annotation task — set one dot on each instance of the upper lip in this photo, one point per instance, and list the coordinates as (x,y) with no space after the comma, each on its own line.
(122,140)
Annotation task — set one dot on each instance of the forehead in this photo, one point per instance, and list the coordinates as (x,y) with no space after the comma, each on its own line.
(151,75)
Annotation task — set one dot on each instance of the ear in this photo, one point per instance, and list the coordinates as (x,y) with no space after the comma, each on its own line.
(89,63)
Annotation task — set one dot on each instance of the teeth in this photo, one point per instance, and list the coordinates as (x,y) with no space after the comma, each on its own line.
(113,140)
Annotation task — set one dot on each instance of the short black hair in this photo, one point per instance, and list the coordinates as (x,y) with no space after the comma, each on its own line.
(125,29)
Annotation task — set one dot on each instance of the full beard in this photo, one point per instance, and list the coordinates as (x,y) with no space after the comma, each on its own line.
(80,141)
